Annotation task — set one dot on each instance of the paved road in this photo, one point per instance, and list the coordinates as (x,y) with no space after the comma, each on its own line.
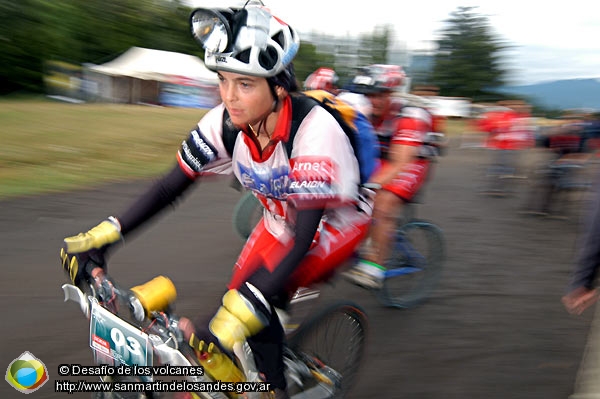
(494,328)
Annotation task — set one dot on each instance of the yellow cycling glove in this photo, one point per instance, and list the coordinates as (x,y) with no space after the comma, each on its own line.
(236,320)
(79,250)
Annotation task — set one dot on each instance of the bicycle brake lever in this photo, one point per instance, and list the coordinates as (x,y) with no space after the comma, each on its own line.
(74,294)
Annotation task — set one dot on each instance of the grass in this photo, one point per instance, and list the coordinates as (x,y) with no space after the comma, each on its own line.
(48,146)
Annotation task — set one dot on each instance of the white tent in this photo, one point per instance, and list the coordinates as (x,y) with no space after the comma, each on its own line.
(139,75)
(162,66)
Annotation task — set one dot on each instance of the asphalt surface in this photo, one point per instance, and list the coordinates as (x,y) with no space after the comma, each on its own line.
(494,327)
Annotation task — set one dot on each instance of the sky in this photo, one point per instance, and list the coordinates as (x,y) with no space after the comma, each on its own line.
(551,40)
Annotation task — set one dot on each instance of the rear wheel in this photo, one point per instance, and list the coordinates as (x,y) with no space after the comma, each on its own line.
(332,343)
(414,266)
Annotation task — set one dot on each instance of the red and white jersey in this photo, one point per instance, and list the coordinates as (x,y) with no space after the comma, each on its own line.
(412,127)
(507,130)
(321,171)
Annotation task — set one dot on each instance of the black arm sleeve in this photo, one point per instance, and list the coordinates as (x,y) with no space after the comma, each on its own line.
(271,284)
(164,192)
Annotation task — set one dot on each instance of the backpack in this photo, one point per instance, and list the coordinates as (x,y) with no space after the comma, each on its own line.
(357,127)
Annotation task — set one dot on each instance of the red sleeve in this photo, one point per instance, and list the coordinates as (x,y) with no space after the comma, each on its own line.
(410,131)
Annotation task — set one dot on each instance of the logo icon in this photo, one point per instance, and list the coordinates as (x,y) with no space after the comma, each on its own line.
(26,373)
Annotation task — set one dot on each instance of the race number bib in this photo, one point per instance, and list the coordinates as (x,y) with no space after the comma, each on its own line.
(113,337)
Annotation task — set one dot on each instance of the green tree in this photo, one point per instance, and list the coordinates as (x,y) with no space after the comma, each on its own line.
(309,59)
(469,60)
(376,45)
(33,32)
(99,30)
(21,59)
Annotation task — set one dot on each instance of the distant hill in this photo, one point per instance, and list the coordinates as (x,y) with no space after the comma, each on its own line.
(561,94)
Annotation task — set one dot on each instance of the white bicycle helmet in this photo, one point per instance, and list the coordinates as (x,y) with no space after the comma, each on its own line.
(248,40)
(378,78)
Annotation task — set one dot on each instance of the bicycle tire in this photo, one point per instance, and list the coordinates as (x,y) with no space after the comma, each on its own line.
(410,281)
(336,337)
(246,215)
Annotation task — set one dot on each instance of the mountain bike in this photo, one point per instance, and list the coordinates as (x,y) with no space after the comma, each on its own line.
(322,354)
(414,266)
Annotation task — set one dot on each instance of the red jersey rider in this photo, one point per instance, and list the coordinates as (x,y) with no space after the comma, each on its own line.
(508,126)
(401,132)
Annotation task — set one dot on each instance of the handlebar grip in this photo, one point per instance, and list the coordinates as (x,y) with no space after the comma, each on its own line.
(94,271)
(155,295)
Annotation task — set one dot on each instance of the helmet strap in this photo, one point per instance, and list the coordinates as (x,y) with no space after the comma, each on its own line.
(263,120)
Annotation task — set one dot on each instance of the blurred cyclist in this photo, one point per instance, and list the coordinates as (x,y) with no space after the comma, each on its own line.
(326,79)
(322,79)
(509,132)
(570,146)
(401,132)
(311,223)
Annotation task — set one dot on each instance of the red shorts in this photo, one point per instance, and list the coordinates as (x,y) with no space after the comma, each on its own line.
(331,247)
(408,182)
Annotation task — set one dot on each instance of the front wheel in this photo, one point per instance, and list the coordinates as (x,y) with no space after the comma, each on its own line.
(246,215)
(414,266)
(332,344)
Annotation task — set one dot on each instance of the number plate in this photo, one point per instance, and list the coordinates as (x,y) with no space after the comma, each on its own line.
(114,337)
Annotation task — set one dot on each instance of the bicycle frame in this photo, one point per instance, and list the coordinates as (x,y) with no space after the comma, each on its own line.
(409,274)
(163,343)
(157,335)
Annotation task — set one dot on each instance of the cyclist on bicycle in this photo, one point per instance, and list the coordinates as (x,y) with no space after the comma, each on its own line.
(508,126)
(509,132)
(311,223)
(401,131)
(569,150)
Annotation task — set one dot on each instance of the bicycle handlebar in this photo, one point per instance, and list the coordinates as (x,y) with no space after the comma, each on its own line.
(110,294)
